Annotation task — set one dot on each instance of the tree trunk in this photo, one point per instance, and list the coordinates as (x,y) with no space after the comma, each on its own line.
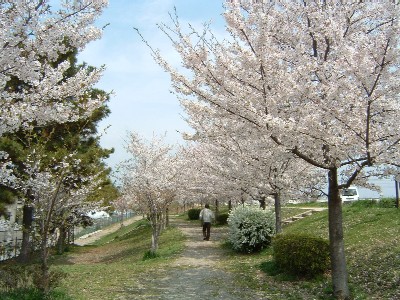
(166,217)
(44,283)
(336,241)
(154,241)
(278,215)
(26,232)
(61,240)
(263,202)
(44,235)
(229,205)
(216,208)
(156,223)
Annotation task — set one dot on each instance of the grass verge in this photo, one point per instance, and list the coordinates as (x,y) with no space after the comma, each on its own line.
(110,267)
(372,245)
(115,264)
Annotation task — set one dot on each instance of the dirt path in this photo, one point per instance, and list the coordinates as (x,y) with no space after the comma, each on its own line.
(195,274)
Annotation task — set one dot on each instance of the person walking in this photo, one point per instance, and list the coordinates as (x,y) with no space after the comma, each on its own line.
(206,216)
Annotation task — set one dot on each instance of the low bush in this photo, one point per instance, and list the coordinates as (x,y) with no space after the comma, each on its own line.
(301,254)
(150,255)
(250,228)
(194,213)
(24,282)
(15,277)
(222,219)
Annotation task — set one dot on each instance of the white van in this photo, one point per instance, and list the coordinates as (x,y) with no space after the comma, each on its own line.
(350,194)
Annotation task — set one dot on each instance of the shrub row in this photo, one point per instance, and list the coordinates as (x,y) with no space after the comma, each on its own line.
(222,219)
(194,213)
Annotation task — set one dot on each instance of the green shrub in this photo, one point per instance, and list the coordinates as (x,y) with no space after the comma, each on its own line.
(24,281)
(14,277)
(222,219)
(250,228)
(150,255)
(301,254)
(387,203)
(194,213)
(54,278)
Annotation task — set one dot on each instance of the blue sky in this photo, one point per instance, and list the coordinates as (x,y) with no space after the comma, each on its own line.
(142,101)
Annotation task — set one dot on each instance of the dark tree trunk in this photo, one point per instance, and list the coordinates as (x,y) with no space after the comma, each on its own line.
(44,282)
(336,241)
(263,202)
(216,208)
(278,215)
(26,233)
(61,241)
(230,205)
(166,217)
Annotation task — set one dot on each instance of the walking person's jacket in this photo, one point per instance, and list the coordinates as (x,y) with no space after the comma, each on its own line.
(206,215)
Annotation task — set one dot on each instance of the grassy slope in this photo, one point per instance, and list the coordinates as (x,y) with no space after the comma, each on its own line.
(372,241)
(106,270)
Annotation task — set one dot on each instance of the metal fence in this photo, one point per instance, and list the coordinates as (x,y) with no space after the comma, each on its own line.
(11,240)
(101,223)
(10,243)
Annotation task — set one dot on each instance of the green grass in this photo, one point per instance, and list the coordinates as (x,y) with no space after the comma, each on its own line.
(109,267)
(114,267)
(116,261)
(372,245)
(33,294)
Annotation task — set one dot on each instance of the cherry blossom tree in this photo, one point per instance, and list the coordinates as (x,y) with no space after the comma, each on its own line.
(55,192)
(32,37)
(251,165)
(319,78)
(35,88)
(149,180)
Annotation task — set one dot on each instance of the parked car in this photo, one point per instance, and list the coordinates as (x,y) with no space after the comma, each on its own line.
(350,194)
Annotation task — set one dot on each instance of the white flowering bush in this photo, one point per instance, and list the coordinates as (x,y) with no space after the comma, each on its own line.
(250,228)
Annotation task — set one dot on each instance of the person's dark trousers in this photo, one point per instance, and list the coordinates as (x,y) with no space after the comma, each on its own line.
(206,230)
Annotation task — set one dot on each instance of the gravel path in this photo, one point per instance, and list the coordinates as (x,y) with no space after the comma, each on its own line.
(195,274)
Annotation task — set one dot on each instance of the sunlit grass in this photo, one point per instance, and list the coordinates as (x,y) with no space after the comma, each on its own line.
(114,265)
(372,245)
(115,262)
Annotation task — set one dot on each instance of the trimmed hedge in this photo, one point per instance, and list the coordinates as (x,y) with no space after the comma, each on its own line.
(194,213)
(301,254)
(222,219)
